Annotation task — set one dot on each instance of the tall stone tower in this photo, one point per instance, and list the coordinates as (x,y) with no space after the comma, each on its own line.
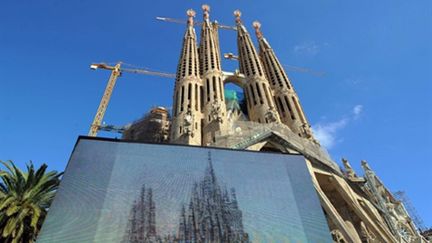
(261,107)
(287,101)
(214,108)
(186,122)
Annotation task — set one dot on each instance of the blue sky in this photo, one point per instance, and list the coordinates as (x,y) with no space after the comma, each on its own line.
(373,102)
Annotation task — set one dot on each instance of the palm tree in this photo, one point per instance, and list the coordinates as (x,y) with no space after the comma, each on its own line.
(24,200)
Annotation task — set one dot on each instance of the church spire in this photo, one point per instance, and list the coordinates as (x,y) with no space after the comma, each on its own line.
(186,127)
(287,101)
(261,105)
(214,108)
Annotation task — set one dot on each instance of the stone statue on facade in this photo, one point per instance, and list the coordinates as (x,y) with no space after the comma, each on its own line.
(365,235)
(271,116)
(391,209)
(349,170)
(337,236)
(365,166)
(216,111)
(188,122)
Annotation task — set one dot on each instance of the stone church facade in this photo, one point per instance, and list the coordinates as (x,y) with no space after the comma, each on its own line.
(358,208)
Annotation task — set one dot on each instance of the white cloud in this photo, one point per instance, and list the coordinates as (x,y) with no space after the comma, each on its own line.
(357,110)
(326,132)
(309,48)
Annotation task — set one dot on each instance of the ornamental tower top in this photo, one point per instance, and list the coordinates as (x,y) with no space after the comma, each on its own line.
(286,99)
(186,122)
(260,100)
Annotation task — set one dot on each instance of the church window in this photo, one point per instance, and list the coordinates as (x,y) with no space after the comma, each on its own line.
(214,88)
(279,101)
(175,103)
(217,56)
(297,106)
(189,92)
(269,102)
(258,67)
(190,59)
(212,54)
(196,97)
(259,93)
(201,94)
(196,66)
(289,108)
(247,97)
(182,98)
(208,89)
(270,70)
(278,108)
(221,89)
(251,90)
(184,67)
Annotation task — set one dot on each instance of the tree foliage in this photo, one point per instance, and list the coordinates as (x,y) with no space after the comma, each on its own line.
(25,197)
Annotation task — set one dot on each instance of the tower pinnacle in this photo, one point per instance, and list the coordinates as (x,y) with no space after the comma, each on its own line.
(261,105)
(257,27)
(214,108)
(191,14)
(206,9)
(284,95)
(186,122)
(237,14)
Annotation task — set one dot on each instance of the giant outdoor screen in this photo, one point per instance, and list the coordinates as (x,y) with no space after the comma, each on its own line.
(114,191)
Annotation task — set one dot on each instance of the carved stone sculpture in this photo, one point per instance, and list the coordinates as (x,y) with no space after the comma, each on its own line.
(188,122)
(215,111)
(350,172)
(271,116)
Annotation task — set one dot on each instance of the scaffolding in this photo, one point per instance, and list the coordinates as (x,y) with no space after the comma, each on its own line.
(153,127)
(418,221)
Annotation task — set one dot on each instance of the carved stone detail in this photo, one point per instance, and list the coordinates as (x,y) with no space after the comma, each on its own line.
(271,116)
(188,122)
(349,170)
(216,111)
(337,236)
(365,235)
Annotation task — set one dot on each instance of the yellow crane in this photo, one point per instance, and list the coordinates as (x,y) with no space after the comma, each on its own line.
(180,21)
(116,71)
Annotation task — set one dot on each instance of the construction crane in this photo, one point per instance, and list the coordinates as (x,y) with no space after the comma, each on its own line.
(116,71)
(232,56)
(180,21)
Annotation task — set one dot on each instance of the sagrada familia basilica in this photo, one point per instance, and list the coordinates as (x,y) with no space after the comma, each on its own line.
(358,208)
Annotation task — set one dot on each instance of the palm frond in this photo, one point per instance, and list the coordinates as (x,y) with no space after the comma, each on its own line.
(24,200)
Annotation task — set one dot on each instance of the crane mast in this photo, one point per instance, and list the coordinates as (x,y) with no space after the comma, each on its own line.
(97,121)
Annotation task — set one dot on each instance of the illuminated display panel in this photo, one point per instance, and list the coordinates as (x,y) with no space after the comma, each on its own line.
(114,191)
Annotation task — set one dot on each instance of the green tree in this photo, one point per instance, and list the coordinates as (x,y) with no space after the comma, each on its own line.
(24,200)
